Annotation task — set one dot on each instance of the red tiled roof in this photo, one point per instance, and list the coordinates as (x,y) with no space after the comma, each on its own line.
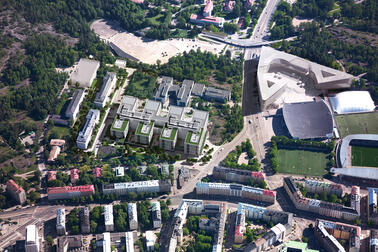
(11,185)
(51,175)
(63,189)
(208,6)
(238,231)
(269,193)
(258,175)
(74,174)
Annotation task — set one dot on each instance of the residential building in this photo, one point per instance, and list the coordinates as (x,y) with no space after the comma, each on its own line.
(129,242)
(119,128)
(237,175)
(150,240)
(201,20)
(74,175)
(152,118)
(296,246)
(31,239)
(137,187)
(133,216)
(236,190)
(97,172)
(61,221)
(16,192)
(314,186)
(322,208)
(108,85)
(73,108)
(216,94)
(84,220)
(275,234)
(208,8)
(85,135)
(69,192)
(69,243)
(56,147)
(328,233)
(372,208)
(373,245)
(168,138)
(356,199)
(108,215)
(156,214)
(85,72)
(51,175)
(106,242)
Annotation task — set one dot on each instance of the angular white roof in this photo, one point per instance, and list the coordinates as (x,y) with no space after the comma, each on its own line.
(352,102)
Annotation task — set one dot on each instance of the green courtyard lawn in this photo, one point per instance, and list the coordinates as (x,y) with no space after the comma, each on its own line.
(58,132)
(302,162)
(364,156)
(358,123)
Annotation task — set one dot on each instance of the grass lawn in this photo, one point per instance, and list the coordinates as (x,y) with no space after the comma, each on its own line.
(302,162)
(361,123)
(364,156)
(58,131)
(156,20)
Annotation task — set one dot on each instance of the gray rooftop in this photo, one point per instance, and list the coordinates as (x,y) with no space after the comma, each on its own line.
(86,68)
(106,86)
(216,92)
(183,95)
(91,118)
(75,101)
(198,89)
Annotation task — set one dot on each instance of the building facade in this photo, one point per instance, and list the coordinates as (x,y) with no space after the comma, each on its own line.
(133,216)
(61,221)
(32,239)
(156,214)
(150,186)
(85,135)
(109,220)
(108,85)
(16,191)
(69,192)
(84,220)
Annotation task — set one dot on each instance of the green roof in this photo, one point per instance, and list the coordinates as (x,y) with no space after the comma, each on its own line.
(188,138)
(298,245)
(123,126)
(171,136)
(140,126)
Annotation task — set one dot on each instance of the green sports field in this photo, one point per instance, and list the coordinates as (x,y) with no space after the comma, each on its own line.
(364,156)
(302,162)
(360,123)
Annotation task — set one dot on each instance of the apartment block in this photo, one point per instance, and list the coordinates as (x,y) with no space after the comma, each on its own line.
(69,192)
(150,186)
(129,242)
(73,108)
(168,138)
(144,132)
(119,128)
(237,175)
(84,220)
(314,186)
(133,216)
(31,239)
(108,215)
(150,241)
(85,135)
(16,191)
(156,214)
(61,221)
(108,85)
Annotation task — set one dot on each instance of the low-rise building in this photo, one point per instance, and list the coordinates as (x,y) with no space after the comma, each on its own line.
(85,72)
(236,190)
(73,108)
(31,239)
(85,135)
(109,220)
(162,92)
(16,191)
(97,172)
(150,186)
(133,216)
(296,246)
(74,175)
(129,242)
(61,221)
(51,175)
(156,214)
(108,85)
(216,94)
(57,146)
(183,95)
(69,192)
(120,171)
(84,220)
(201,20)
(198,89)
(150,241)
(70,243)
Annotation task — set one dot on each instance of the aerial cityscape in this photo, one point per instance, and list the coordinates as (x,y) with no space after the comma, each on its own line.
(189,126)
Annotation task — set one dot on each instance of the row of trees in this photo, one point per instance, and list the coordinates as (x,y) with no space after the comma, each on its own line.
(285,142)
(232,158)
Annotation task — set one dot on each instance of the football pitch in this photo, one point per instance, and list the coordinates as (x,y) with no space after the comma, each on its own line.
(302,162)
(360,123)
(364,156)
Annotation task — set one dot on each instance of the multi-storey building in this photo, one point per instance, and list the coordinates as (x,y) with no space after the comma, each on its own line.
(32,239)
(74,106)
(106,242)
(317,206)
(119,128)
(328,233)
(108,85)
(150,240)
(133,216)
(372,208)
(171,123)
(85,135)
(236,190)
(108,215)
(84,220)
(156,214)
(85,72)
(355,199)
(16,191)
(313,186)
(373,245)
(61,221)
(237,175)
(149,186)
(129,242)
(162,92)
(216,94)
(69,192)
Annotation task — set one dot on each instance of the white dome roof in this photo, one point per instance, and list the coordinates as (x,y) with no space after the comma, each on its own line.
(352,101)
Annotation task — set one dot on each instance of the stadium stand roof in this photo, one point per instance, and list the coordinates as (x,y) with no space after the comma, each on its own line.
(308,120)
(352,102)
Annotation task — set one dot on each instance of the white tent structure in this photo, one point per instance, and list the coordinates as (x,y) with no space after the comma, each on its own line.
(352,102)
